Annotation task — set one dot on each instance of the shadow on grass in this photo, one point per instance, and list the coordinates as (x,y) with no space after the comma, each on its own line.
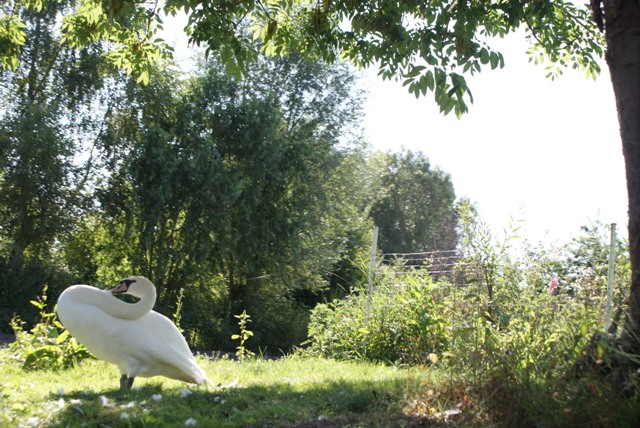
(334,404)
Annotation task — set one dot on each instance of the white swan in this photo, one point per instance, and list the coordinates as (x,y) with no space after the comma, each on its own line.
(140,341)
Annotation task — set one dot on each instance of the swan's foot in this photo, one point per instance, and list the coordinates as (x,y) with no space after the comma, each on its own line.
(126,382)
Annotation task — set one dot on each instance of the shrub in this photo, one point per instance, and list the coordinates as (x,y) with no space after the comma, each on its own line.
(47,345)
(523,363)
(21,279)
(404,325)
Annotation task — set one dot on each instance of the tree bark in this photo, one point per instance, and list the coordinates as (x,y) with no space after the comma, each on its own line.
(622,31)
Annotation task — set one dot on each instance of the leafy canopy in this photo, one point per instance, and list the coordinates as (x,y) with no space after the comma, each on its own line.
(431,46)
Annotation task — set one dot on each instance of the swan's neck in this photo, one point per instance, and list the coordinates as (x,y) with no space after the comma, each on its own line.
(115,307)
(135,310)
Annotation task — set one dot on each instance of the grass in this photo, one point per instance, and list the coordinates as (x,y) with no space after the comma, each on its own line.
(303,392)
(292,391)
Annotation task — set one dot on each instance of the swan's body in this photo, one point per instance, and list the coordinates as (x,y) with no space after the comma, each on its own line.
(140,341)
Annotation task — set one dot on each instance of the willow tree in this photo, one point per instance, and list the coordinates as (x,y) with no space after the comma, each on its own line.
(432,46)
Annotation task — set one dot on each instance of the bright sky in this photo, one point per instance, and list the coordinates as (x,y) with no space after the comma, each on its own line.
(545,152)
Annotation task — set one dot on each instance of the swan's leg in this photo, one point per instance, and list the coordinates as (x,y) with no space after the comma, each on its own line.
(129,382)
(123,381)
(126,382)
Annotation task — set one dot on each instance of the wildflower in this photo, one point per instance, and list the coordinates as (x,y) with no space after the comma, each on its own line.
(156,397)
(124,415)
(553,284)
(190,422)
(105,402)
(185,393)
(447,413)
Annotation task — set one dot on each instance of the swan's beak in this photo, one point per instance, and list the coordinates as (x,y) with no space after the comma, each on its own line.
(122,288)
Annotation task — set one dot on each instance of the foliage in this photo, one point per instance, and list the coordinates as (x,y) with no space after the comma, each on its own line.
(233,191)
(242,352)
(177,315)
(21,280)
(585,264)
(35,196)
(430,47)
(47,345)
(414,206)
(512,350)
(222,182)
(527,349)
(406,321)
(487,264)
(49,108)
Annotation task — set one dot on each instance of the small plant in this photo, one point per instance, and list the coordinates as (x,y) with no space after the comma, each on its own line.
(177,315)
(47,345)
(243,319)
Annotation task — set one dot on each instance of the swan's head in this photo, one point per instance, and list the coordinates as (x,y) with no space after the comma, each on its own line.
(137,286)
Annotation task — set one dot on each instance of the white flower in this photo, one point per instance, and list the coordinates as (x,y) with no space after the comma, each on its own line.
(61,391)
(190,422)
(60,403)
(105,402)
(185,393)
(447,413)
(156,397)
(124,415)
(33,421)
(75,401)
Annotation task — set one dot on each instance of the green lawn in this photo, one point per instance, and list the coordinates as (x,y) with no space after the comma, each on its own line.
(254,393)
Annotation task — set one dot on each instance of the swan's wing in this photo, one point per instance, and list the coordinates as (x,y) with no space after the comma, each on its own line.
(161,349)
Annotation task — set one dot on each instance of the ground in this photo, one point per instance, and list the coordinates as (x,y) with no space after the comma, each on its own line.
(6,338)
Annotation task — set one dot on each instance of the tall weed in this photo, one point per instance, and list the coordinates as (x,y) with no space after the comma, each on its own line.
(405,324)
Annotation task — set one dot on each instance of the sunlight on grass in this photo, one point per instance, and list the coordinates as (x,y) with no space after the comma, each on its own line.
(256,391)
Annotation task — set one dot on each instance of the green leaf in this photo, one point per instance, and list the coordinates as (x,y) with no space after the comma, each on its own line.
(484,56)
(62,337)
(415,71)
(430,80)
(494,59)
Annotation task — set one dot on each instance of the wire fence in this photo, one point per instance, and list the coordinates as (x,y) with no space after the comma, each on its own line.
(446,266)
(454,274)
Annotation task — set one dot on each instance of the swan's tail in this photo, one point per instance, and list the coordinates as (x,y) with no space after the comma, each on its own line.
(207,382)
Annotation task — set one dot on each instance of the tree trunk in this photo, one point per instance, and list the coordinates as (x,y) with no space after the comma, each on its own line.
(622,30)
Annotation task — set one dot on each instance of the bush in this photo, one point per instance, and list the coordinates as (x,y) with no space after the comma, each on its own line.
(47,345)
(406,321)
(522,344)
(21,279)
